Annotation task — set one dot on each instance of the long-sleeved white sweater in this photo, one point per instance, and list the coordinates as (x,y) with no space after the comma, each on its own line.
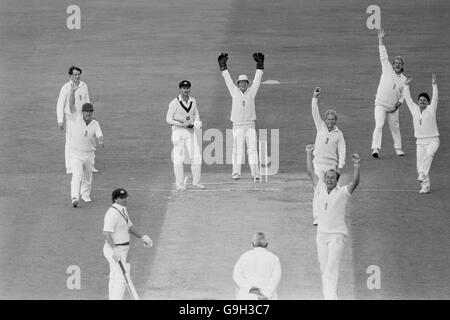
(425,125)
(390,88)
(329,148)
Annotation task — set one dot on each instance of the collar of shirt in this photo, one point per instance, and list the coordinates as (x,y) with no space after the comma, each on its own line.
(119,206)
(336,129)
(181,99)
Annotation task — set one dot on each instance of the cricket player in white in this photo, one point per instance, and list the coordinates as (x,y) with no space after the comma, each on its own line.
(63,108)
(257,272)
(332,230)
(243,114)
(184,118)
(116,229)
(85,132)
(329,147)
(425,130)
(388,99)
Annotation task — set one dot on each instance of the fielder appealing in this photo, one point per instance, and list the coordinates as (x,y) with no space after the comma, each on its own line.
(257,272)
(388,99)
(332,231)
(329,147)
(243,114)
(85,132)
(425,130)
(63,108)
(184,118)
(116,229)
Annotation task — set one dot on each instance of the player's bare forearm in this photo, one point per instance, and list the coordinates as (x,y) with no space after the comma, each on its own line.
(309,165)
(134,232)
(109,239)
(356,173)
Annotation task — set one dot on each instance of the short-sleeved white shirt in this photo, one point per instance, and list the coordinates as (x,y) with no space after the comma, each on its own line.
(83,136)
(118,223)
(332,208)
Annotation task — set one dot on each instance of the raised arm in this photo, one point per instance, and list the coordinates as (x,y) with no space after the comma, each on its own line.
(355,181)
(342,150)
(384,58)
(309,165)
(434,99)
(407,94)
(259,59)
(315,108)
(73,88)
(222,59)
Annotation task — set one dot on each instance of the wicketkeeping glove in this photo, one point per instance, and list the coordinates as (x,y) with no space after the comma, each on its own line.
(259,58)
(223,57)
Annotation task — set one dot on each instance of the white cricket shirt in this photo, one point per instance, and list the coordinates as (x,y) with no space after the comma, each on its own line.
(390,88)
(329,147)
(332,208)
(81,97)
(258,268)
(83,136)
(243,103)
(425,125)
(118,223)
(181,110)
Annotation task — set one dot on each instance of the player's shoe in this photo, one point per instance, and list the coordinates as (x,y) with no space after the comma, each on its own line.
(375,153)
(424,190)
(180,187)
(235,176)
(399,152)
(315,222)
(94,170)
(198,186)
(74,202)
(86,199)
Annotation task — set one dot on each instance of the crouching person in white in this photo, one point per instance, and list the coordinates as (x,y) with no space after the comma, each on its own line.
(257,272)
(85,132)
(184,117)
(332,231)
(116,229)
(425,130)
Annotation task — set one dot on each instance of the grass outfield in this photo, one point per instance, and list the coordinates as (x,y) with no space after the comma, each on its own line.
(133,55)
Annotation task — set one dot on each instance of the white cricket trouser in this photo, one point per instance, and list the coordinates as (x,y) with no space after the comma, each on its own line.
(425,155)
(186,139)
(319,170)
(81,164)
(245,133)
(330,247)
(380,116)
(117,283)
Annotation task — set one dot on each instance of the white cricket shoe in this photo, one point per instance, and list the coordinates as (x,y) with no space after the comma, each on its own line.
(74,202)
(180,187)
(235,176)
(424,190)
(94,170)
(198,186)
(399,152)
(86,199)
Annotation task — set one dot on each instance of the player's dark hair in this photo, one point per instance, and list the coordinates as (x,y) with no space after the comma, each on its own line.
(425,95)
(74,68)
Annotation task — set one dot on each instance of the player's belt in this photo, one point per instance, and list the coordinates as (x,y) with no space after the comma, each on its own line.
(123,244)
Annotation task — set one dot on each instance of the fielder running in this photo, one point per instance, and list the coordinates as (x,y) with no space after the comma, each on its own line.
(63,108)
(332,231)
(329,147)
(184,118)
(85,132)
(116,229)
(425,130)
(388,99)
(257,272)
(243,114)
